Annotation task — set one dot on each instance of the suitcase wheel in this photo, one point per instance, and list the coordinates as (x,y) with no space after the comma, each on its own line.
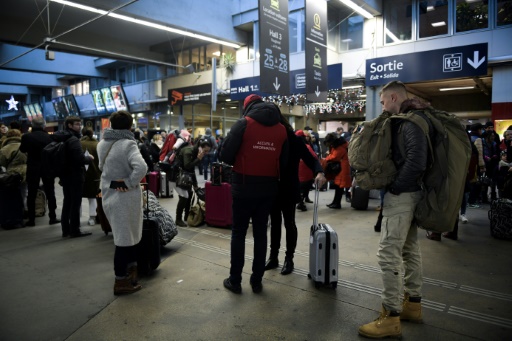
(318,284)
(106,233)
(309,276)
(334,285)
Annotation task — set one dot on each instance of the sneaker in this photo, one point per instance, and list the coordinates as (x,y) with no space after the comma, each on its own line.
(473,206)
(237,289)
(302,207)
(92,221)
(463,219)
(181,223)
(434,236)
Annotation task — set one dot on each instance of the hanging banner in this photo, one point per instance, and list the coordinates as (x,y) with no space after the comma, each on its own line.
(316,51)
(274,46)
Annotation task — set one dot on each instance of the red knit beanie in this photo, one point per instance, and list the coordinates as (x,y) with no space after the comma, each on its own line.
(251,98)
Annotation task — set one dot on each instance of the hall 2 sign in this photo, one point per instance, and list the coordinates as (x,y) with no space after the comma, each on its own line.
(455,62)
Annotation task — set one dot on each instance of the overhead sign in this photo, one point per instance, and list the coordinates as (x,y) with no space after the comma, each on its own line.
(241,88)
(274,46)
(455,62)
(190,95)
(316,51)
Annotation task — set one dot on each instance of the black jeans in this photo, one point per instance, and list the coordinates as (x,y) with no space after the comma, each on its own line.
(304,189)
(33,177)
(123,256)
(285,205)
(338,194)
(244,209)
(70,216)
(183,205)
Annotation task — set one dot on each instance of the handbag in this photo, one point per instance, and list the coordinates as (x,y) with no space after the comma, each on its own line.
(11,179)
(484,180)
(185,179)
(196,214)
(332,168)
(201,194)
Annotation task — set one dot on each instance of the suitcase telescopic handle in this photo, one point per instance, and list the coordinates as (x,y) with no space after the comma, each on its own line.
(315,203)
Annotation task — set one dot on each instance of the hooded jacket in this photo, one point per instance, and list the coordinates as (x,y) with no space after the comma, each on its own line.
(254,186)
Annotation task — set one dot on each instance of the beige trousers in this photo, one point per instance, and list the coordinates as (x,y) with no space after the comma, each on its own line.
(399,247)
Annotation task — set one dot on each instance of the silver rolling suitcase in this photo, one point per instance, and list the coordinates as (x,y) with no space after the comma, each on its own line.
(165,190)
(323,251)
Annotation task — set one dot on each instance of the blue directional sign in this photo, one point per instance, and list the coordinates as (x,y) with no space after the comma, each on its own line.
(316,50)
(241,88)
(455,62)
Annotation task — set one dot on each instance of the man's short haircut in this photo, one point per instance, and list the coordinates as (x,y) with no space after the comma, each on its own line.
(38,123)
(396,86)
(71,120)
(121,120)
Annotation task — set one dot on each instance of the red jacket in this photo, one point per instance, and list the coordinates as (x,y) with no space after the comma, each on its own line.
(167,147)
(340,153)
(305,173)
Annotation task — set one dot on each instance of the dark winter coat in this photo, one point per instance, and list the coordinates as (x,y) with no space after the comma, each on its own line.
(412,165)
(32,144)
(248,186)
(93,173)
(75,157)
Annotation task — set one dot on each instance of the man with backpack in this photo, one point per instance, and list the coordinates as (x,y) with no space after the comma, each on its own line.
(399,234)
(72,176)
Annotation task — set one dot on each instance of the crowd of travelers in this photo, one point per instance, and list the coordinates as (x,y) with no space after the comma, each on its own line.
(274,168)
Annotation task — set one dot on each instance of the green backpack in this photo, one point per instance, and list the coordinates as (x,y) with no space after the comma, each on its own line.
(370,155)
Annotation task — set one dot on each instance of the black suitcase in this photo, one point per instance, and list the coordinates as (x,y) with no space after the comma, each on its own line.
(149,246)
(221,172)
(359,198)
(499,218)
(11,207)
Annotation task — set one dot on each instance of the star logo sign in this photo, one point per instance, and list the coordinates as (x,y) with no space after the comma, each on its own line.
(12,103)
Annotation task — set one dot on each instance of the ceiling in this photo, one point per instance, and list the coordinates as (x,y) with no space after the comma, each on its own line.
(29,23)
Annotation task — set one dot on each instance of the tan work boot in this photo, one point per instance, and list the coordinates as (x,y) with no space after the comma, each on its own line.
(125,286)
(133,274)
(383,326)
(411,311)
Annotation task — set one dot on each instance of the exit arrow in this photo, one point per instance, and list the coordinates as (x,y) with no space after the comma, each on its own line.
(276,84)
(475,63)
(317,92)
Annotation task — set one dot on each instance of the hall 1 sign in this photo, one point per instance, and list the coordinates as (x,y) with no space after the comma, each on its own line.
(454,62)
(316,51)
(274,46)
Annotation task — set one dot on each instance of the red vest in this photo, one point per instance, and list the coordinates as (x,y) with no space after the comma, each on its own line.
(260,150)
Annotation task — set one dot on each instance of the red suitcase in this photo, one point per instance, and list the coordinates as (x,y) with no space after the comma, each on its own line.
(154,183)
(218,205)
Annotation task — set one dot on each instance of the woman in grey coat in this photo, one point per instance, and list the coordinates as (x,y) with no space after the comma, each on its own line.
(122,169)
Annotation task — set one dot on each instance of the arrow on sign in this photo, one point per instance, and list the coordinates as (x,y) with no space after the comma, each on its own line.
(317,92)
(276,84)
(475,63)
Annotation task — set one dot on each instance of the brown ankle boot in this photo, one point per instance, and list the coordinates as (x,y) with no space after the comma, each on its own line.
(384,326)
(133,274)
(411,311)
(125,286)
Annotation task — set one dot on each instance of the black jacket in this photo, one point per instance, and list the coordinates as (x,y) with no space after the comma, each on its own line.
(412,164)
(289,184)
(33,144)
(75,157)
(247,186)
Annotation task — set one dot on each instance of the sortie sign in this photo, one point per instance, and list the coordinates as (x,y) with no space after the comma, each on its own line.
(454,62)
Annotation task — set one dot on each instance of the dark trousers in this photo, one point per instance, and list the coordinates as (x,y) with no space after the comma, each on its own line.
(244,210)
(70,217)
(338,194)
(123,256)
(207,160)
(33,178)
(286,206)
(183,205)
(304,189)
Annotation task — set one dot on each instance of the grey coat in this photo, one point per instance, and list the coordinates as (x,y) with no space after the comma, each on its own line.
(124,161)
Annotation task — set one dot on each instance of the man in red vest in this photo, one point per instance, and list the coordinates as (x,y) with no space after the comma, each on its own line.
(257,147)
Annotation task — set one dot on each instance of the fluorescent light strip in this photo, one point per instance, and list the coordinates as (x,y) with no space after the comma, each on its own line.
(457,88)
(146,23)
(438,24)
(358,9)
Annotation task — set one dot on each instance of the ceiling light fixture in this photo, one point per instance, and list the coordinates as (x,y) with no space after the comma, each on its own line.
(457,88)
(438,24)
(357,8)
(146,23)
